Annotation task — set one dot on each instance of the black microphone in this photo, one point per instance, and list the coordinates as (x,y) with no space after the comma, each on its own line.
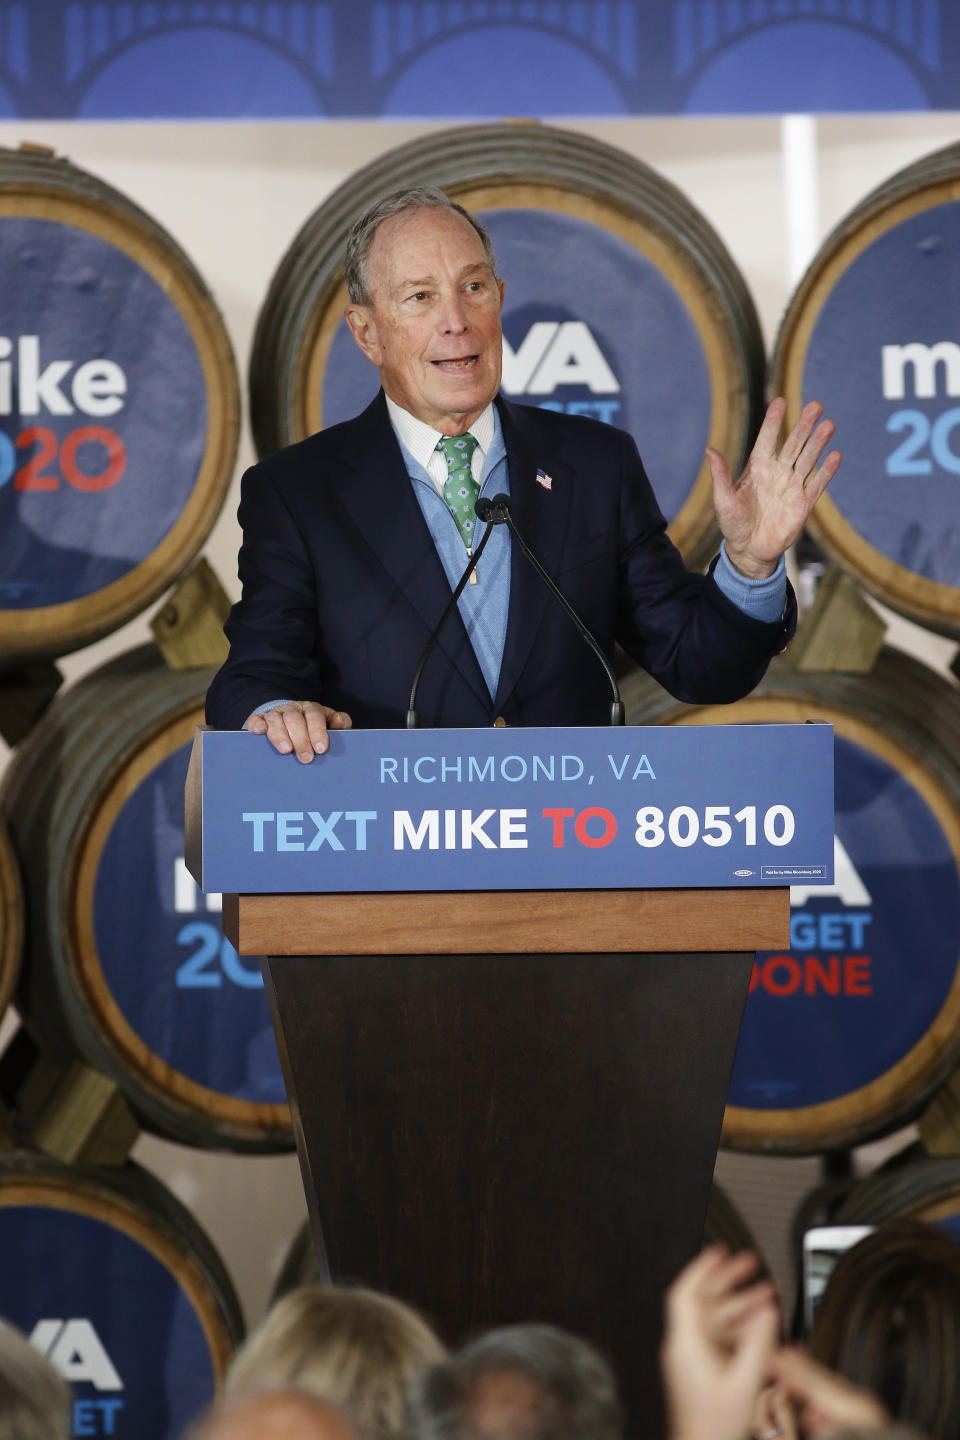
(496,512)
(412,720)
(492,512)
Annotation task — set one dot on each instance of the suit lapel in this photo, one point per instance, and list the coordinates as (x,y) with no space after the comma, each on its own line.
(377,493)
(541,516)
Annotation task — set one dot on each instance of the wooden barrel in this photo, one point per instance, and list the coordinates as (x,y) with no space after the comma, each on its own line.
(868,330)
(11,919)
(848,1031)
(126,966)
(119,407)
(910,1186)
(114,1281)
(724,1224)
(621,303)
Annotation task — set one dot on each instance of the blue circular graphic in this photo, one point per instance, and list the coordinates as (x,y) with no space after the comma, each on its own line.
(843,68)
(200,72)
(111,1318)
(869,968)
(591,327)
(103,414)
(180,984)
(882,351)
(521,66)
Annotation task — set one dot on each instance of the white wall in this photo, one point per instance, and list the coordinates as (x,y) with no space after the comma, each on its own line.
(234,195)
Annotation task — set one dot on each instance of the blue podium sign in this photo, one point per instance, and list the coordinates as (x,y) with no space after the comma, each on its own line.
(500,809)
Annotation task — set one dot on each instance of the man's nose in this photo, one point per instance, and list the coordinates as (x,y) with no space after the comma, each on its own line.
(453,315)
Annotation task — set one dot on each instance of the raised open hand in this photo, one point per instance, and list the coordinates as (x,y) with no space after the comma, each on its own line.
(722,1327)
(763,512)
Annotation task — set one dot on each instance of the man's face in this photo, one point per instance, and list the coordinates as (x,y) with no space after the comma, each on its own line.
(433,322)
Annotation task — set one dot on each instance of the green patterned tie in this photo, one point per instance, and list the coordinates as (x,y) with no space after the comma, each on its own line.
(460,489)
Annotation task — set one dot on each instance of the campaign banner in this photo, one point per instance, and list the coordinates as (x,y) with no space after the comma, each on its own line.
(883,348)
(209,59)
(872,961)
(110,1315)
(198,1008)
(103,414)
(526,809)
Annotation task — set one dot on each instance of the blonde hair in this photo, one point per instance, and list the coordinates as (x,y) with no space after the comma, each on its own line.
(355,1348)
(272,1412)
(35,1403)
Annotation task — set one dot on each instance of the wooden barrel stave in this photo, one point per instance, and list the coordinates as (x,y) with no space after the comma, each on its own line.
(306,297)
(132,1298)
(910,1185)
(11,920)
(854,523)
(901,722)
(64,795)
(74,605)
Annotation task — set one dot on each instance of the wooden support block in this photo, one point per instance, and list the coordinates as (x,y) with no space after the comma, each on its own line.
(25,692)
(8,1131)
(939,1125)
(188,628)
(841,630)
(29,1076)
(87,1121)
(63,1108)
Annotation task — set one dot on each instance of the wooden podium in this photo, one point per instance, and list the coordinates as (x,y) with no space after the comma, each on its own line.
(507,1105)
(507,1100)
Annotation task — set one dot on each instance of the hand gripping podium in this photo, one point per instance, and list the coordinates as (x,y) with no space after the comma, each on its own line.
(507,970)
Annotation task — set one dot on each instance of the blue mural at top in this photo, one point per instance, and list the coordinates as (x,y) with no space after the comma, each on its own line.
(457,59)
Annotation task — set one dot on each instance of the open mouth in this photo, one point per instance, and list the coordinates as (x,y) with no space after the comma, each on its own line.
(465,362)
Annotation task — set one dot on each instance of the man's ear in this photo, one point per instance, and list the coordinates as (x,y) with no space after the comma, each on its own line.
(364,331)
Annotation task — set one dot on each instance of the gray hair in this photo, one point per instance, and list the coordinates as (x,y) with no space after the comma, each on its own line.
(360,238)
(576,1392)
(35,1404)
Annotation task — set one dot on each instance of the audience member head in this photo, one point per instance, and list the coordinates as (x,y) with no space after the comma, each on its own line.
(354,1348)
(35,1404)
(521,1382)
(273,1415)
(889,1319)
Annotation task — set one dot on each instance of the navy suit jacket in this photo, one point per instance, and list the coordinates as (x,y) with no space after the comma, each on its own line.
(342,585)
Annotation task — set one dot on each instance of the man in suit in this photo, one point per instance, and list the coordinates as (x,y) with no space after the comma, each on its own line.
(354,537)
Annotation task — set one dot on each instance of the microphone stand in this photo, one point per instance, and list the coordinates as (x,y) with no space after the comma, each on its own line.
(497,511)
(412,719)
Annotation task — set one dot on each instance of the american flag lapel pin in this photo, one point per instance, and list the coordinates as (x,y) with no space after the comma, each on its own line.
(544,479)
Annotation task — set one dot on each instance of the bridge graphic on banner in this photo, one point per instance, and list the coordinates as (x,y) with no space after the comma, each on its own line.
(95,33)
(609,33)
(271,58)
(702,29)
